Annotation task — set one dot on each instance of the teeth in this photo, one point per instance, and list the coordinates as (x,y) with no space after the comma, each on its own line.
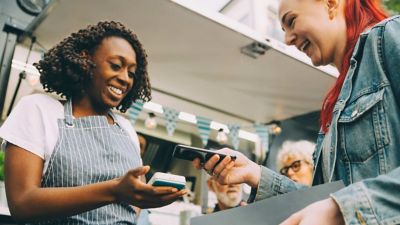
(115,90)
(304,45)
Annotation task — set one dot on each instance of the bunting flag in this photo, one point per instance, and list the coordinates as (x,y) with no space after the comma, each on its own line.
(263,133)
(234,135)
(134,110)
(171,116)
(203,124)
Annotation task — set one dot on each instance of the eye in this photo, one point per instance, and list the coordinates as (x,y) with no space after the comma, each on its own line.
(291,22)
(115,66)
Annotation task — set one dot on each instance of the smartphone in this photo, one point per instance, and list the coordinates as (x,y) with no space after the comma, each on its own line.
(168,180)
(190,153)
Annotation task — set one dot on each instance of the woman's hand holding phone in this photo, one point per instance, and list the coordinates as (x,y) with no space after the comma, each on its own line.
(130,189)
(228,171)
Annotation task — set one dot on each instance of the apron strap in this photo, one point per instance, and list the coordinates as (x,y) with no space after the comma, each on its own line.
(69,120)
(114,117)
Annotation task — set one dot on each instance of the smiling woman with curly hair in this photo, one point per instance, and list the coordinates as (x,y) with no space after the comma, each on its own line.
(75,161)
(66,71)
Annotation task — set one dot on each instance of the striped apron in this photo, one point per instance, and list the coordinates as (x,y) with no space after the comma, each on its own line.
(90,150)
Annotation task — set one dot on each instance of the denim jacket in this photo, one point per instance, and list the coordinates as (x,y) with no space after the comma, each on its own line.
(362,147)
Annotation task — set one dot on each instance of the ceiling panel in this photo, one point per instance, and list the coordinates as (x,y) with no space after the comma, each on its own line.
(198,57)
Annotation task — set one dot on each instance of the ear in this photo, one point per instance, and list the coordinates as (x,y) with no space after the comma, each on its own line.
(332,6)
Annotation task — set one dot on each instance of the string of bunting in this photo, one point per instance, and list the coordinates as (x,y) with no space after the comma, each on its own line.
(203,124)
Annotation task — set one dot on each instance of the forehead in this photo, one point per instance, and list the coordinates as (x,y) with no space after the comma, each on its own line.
(292,5)
(290,159)
(116,46)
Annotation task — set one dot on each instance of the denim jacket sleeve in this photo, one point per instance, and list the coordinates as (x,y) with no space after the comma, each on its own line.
(371,201)
(272,184)
(377,200)
(390,47)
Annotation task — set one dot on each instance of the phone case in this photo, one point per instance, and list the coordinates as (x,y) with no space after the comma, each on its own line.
(190,153)
(168,180)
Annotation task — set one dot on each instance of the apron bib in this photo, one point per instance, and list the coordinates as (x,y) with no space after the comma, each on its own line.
(90,150)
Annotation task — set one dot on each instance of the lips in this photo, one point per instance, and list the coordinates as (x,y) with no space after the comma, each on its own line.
(116,93)
(303,46)
(115,90)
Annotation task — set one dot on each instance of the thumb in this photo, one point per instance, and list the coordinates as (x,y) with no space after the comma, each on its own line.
(139,171)
(294,219)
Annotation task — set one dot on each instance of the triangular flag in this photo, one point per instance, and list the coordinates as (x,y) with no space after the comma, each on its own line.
(263,133)
(134,110)
(234,135)
(171,116)
(203,124)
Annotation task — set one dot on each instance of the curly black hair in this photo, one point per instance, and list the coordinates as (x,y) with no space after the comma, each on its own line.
(66,71)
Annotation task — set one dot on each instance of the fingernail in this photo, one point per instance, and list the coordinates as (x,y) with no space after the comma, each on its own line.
(174,190)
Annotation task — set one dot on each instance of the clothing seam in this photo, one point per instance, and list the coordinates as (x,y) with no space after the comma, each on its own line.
(364,192)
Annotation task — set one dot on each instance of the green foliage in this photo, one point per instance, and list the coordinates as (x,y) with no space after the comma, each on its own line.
(393,6)
(2,154)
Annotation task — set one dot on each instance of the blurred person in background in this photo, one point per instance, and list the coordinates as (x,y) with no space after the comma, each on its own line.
(228,196)
(294,160)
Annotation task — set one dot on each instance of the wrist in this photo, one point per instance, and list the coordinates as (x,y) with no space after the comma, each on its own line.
(111,191)
(335,210)
(254,175)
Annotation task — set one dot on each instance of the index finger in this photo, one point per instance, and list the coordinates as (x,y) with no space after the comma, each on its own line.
(162,190)
(196,163)
(155,190)
(211,163)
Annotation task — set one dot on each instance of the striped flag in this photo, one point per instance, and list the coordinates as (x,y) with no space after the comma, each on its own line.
(171,116)
(203,124)
(134,110)
(263,133)
(234,135)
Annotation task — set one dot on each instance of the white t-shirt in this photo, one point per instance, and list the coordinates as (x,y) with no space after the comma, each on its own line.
(32,125)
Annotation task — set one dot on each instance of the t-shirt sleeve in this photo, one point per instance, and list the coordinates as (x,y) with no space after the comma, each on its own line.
(24,127)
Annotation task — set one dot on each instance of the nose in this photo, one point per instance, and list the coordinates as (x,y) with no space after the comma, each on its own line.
(290,38)
(124,76)
(290,173)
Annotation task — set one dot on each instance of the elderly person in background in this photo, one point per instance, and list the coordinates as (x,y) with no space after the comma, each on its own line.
(228,196)
(294,160)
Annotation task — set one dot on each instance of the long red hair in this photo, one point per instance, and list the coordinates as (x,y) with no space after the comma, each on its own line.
(359,15)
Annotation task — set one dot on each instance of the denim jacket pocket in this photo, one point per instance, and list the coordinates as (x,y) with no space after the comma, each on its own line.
(363,128)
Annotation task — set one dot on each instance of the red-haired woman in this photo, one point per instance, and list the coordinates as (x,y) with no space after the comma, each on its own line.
(359,141)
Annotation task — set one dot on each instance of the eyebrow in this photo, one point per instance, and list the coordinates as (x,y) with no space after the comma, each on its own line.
(123,59)
(283,19)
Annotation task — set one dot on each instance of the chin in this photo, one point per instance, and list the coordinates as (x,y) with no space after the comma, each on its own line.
(317,62)
(111,104)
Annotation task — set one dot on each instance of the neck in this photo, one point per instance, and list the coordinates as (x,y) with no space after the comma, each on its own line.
(339,54)
(341,42)
(222,206)
(85,107)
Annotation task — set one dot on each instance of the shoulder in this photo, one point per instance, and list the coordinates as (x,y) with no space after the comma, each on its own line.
(389,25)
(389,22)
(126,125)
(39,101)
